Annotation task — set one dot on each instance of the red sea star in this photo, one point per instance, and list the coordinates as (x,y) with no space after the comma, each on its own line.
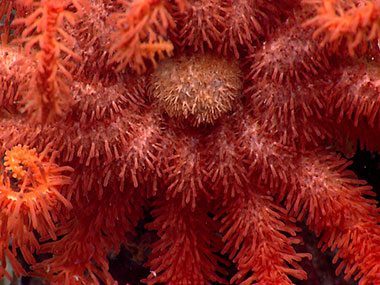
(229,142)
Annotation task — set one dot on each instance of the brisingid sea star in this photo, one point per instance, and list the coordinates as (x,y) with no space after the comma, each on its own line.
(222,117)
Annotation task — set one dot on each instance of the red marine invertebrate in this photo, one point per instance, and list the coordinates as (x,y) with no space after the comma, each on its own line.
(228,142)
(355,23)
(30,196)
(47,92)
(140,33)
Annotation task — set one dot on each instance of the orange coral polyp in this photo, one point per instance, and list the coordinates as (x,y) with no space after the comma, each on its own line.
(20,161)
(29,197)
(35,191)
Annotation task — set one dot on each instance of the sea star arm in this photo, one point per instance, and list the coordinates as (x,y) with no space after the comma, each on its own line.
(331,201)
(258,237)
(185,252)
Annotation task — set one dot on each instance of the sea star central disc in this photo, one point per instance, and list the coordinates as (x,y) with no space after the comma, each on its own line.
(199,88)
